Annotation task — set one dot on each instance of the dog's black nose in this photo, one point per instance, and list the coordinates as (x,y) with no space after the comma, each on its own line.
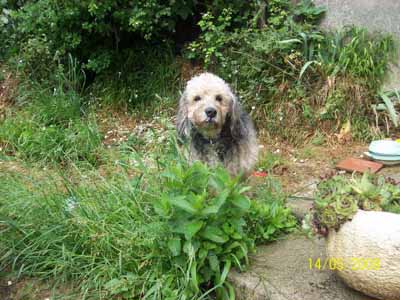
(211,112)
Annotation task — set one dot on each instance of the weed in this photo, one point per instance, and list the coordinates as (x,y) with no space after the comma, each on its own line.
(269,161)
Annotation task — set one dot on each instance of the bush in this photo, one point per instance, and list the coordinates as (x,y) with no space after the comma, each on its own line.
(140,78)
(95,31)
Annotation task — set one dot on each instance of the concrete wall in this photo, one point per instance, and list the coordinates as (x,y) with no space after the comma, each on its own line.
(375,15)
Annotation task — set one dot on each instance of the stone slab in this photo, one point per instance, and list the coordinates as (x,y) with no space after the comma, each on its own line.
(280,271)
(299,207)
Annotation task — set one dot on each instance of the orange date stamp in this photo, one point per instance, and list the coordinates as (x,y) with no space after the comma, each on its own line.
(348,263)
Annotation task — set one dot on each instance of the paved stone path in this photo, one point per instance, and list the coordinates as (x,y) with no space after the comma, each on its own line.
(281,271)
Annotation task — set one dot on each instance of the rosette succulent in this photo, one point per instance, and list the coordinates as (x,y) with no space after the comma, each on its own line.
(338,198)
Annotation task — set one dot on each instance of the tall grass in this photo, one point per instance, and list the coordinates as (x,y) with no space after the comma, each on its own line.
(140,79)
(51,122)
(170,232)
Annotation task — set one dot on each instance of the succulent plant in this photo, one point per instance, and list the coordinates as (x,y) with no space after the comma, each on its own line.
(338,198)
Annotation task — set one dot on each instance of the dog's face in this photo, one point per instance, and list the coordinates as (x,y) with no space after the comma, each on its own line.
(209,101)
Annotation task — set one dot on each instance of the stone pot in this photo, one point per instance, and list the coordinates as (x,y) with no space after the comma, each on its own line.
(365,253)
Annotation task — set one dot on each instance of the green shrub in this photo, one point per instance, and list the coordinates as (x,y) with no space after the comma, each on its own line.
(95,31)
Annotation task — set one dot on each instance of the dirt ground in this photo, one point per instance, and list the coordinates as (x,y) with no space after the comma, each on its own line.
(302,165)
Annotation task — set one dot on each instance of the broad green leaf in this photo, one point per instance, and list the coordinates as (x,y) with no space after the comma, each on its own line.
(231,291)
(193,275)
(189,229)
(225,271)
(214,234)
(241,201)
(390,108)
(203,253)
(214,263)
(244,189)
(305,67)
(181,203)
(174,245)
(217,202)
(162,207)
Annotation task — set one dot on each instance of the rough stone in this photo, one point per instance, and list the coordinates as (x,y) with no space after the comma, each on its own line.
(375,15)
(281,271)
(299,207)
(392,172)
(372,238)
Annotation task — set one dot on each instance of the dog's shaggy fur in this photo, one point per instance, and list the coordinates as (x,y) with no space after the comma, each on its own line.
(211,119)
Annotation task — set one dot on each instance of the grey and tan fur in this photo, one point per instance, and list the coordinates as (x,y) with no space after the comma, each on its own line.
(211,120)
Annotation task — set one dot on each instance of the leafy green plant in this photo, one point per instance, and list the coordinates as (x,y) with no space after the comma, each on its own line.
(356,52)
(210,45)
(269,161)
(389,106)
(205,215)
(337,200)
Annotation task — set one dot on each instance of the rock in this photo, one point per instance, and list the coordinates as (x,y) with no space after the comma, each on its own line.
(300,207)
(369,248)
(281,271)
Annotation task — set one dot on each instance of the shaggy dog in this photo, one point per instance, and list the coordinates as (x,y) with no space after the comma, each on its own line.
(218,131)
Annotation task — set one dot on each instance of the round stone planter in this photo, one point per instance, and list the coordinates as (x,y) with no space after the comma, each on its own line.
(365,253)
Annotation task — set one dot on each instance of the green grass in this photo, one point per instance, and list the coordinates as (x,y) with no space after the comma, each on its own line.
(170,232)
(50,126)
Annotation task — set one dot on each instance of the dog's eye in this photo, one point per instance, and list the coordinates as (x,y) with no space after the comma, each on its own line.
(218,98)
(197,98)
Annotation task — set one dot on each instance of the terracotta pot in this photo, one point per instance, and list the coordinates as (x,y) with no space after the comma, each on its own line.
(365,253)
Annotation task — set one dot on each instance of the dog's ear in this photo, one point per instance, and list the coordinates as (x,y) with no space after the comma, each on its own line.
(183,125)
(237,119)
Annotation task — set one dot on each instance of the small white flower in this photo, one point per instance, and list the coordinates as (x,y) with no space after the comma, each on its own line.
(9,283)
